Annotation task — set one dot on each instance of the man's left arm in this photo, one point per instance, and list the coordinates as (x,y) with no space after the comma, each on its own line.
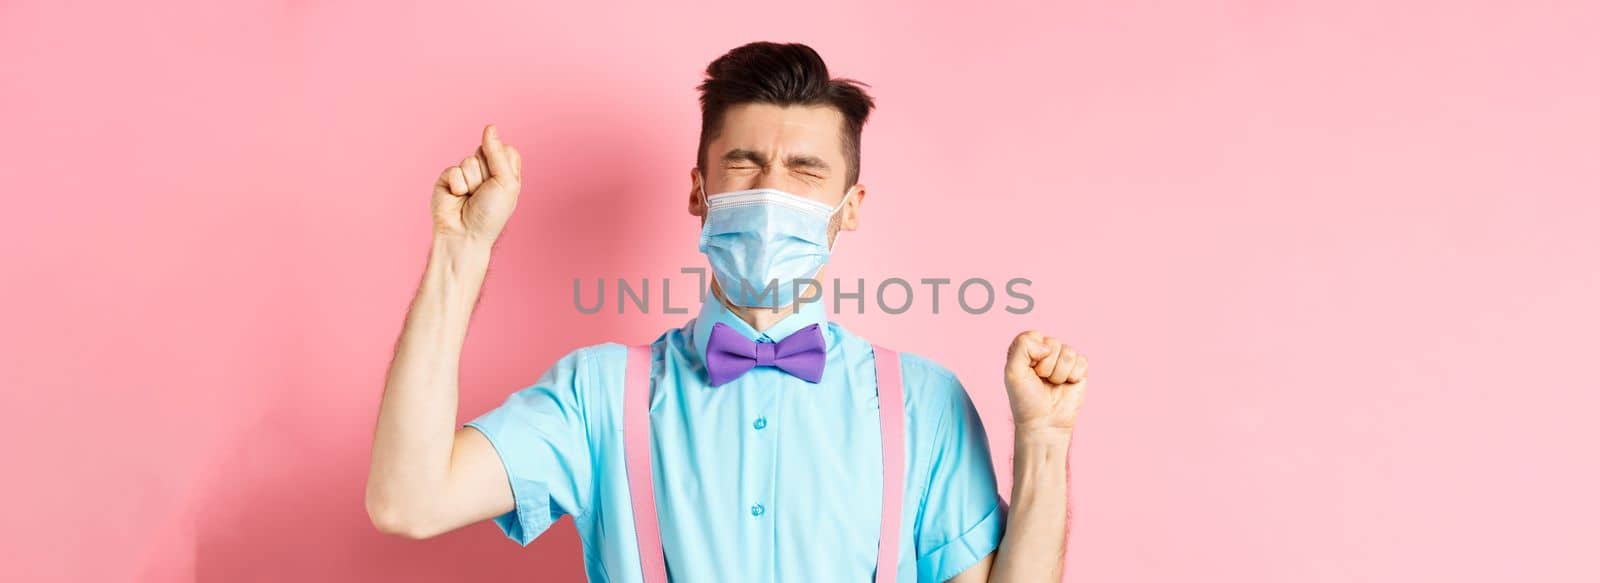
(1045,382)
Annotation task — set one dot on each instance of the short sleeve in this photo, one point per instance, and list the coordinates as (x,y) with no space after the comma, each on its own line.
(961,519)
(541,435)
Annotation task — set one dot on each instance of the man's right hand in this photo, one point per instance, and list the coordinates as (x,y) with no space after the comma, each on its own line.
(474,199)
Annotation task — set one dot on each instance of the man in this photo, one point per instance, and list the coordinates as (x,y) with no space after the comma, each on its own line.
(762,469)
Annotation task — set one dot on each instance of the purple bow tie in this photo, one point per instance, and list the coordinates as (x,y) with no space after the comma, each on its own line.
(729,354)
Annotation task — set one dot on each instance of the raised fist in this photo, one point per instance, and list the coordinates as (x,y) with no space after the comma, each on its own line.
(474,199)
(1045,380)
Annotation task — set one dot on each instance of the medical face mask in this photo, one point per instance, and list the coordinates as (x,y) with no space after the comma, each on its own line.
(761,241)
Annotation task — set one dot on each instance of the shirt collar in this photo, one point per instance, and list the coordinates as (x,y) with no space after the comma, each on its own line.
(712,312)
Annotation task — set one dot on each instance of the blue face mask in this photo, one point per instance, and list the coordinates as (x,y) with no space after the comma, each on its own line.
(761,241)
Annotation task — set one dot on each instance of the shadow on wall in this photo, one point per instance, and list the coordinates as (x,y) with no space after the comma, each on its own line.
(284,501)
(307,523)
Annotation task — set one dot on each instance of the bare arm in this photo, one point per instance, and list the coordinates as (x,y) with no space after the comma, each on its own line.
(1045,380)
(428,477)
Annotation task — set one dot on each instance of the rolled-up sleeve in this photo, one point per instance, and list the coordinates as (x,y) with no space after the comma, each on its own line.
(540,433)
(961,519)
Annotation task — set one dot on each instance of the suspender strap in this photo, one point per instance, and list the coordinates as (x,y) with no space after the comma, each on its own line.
(891,424)
(641,486)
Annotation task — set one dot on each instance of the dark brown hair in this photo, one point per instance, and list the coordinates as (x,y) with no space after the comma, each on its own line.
(781,74)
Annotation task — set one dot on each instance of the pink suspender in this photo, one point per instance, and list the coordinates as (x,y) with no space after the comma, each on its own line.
(636,440)
(641,488)
(891,423)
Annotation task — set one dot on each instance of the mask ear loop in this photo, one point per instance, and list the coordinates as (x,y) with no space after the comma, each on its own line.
(705,202)
(842,202)
(835,239)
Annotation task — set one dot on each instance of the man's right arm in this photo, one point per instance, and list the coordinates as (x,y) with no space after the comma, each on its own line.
(427,476)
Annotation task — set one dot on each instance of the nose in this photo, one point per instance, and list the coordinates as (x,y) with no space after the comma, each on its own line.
(774,179)
(784,180)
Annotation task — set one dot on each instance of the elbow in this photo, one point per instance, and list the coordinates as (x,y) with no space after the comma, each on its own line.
(398,520)
(394,524)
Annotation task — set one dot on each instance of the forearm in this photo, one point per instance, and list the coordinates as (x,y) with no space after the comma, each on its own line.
(1035,539)
(412,445)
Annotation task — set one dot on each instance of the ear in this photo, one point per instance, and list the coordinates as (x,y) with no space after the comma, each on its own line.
(850,215)
(697,204)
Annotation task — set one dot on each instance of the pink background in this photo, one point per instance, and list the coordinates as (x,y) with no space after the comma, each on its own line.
(1336,267)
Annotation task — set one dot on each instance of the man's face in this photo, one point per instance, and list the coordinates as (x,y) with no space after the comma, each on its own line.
(796,149)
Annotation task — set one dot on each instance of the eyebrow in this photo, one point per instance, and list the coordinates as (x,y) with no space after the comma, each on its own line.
(792,161)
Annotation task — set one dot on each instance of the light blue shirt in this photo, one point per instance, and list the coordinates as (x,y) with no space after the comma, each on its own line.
(765,478)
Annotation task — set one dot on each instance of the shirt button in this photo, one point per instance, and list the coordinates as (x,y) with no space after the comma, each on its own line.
(757,510)
(761,423)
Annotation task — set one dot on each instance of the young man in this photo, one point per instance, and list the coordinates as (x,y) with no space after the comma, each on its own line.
(765,452)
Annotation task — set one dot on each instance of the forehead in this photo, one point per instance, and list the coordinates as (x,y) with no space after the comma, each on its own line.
(792,129)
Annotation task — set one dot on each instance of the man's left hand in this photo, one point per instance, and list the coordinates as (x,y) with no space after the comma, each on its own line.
(1045,380)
